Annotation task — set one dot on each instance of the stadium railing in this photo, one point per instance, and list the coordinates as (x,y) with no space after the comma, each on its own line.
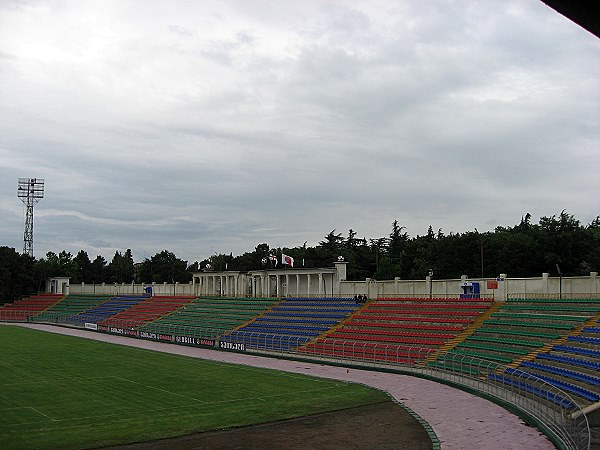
(552,408)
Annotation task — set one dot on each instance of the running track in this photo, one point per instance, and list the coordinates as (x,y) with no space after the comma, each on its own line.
(459,419)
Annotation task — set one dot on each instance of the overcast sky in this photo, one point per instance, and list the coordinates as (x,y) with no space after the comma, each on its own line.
(212,126)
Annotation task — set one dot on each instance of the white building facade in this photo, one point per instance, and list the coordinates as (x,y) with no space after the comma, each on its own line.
(290,282)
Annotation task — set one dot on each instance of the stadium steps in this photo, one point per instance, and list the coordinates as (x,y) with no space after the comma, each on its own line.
(22,310)
(466,333)
(147,310)
(548,346)
(485,356)
(293,322)
(584,385)
(337,326)
(423,323)
(104,310)
(507,335)
(569,361)
(70,306)
(210,316)
(541,393)
(584,395)
(253,319)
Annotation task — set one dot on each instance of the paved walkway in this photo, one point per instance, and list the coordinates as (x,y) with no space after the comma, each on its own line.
(459,419)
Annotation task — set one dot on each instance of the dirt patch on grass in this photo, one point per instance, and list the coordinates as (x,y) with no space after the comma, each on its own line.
(382,426)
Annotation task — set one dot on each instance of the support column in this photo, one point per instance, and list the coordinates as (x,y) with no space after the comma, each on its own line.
(320,284)
(502,288)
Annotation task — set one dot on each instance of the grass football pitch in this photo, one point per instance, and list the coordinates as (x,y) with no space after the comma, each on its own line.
(65,392)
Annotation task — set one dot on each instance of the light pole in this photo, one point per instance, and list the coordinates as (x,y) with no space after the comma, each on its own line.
(430,283)
(559,281)
(481,245)
(30,191)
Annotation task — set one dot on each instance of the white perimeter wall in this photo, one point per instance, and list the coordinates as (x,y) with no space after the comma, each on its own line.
(543,285)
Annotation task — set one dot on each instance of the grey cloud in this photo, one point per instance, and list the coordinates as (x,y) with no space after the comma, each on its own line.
(213,130)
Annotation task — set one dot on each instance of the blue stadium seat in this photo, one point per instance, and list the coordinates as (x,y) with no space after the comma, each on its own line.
(567,360)
(543,393)
(577,350)
(584,339)
(563,372)
(584,393)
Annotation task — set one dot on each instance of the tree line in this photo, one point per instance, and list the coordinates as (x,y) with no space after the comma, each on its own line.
(556,243)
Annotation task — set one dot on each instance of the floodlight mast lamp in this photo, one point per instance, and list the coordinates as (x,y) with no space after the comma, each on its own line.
(30,191)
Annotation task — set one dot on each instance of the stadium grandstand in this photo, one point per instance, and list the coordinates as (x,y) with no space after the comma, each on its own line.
(537,352)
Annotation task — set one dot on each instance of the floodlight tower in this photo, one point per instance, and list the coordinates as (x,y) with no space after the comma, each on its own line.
(30,191)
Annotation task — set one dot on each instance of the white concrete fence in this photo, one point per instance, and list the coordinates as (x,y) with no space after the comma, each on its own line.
(499,288)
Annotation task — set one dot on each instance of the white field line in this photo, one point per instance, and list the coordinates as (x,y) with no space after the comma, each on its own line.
(261,398)
(159,389)
(40,412)
(33,409)
(21,383)
(146,411)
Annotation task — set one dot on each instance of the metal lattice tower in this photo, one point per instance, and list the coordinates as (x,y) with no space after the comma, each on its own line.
(30,191)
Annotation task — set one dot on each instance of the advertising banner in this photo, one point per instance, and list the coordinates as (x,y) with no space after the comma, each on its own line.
(492,284)
(123,331)
(186,340)
(238,346)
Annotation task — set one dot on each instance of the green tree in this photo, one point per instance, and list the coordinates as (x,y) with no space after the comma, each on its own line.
(164,267)
(122,269)
(332,244)
(84,266)
(61,265)
(357,253)
(421,251)
(378,249)
(563,242)
(397,241)
(16,275)
(591,258)
(98,269)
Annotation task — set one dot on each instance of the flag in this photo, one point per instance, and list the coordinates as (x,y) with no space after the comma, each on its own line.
(285,259)
(273,259)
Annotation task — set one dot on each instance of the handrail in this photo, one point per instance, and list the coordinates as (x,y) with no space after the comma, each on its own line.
(557,412)
(560,417)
